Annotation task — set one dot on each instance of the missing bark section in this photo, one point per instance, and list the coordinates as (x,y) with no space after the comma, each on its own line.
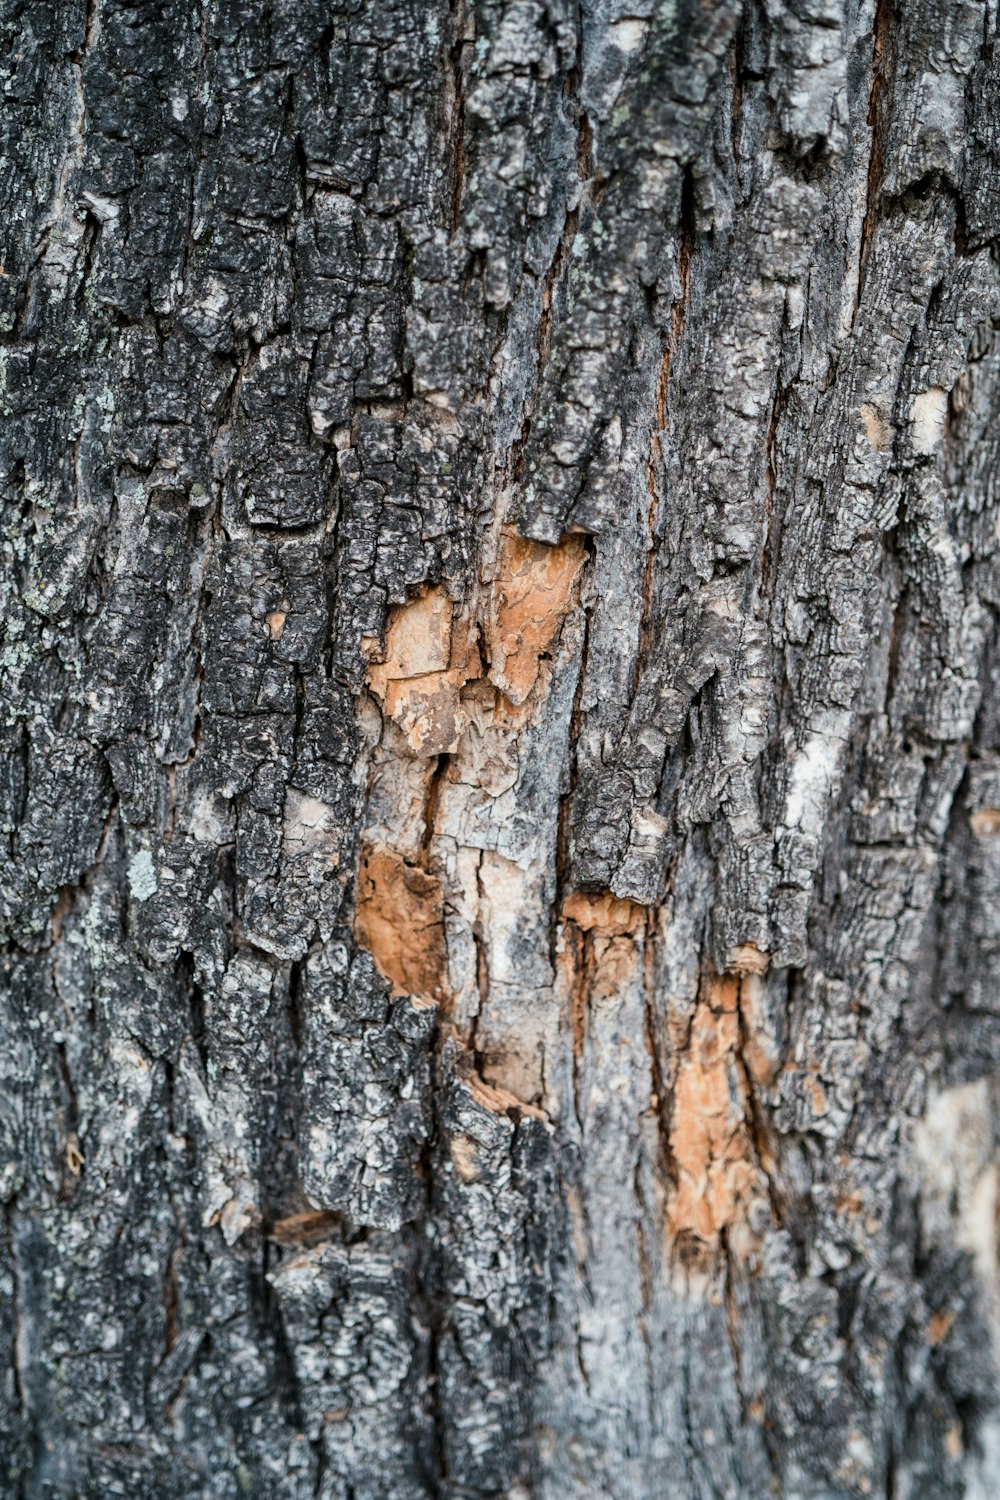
(464,1149)
(429,656)
(533,591)
(985,822)
(599,957)
(715,1150)
(313,1227)
(878,429)
(736,98)
(497,1099)
(399,919)
(274,620)
(450,889)
(603,914)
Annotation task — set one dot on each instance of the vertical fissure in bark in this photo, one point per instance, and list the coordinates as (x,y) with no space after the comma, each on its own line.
(460,22)
(426,1322)
(570,773)
(655,471)
(19,1366)
(878,122)
(736,98)
(273,1322)
(660,1100)
(772,521)
(171,1297)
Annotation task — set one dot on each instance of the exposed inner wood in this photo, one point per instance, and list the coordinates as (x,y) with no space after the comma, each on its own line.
(531,596)
(399,921)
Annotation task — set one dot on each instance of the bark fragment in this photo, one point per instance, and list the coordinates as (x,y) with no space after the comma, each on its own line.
(510,488)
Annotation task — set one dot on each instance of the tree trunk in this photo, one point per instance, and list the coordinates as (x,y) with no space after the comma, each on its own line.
(501,749)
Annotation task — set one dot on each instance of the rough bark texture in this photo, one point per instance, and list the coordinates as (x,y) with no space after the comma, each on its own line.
(500,749)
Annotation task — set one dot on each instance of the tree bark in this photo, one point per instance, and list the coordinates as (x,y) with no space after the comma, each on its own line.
(501,749)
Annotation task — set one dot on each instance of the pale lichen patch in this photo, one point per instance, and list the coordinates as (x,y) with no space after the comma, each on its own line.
(142,881)
(310,826)
(812,776)
(957,1169)
(927,416)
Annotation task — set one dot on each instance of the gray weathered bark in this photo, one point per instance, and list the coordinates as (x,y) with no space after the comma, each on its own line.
(501,749)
